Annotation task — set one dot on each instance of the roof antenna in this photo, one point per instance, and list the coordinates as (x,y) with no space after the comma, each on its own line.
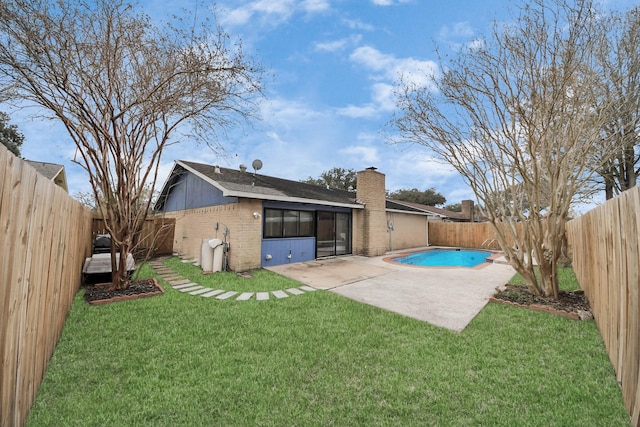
(256,165)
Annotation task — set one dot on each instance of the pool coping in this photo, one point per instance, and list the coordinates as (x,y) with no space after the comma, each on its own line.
(495,255)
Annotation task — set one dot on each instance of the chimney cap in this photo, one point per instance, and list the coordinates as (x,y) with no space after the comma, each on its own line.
(372,168)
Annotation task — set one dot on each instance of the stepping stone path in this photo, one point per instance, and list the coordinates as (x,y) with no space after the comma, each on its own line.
(183,285)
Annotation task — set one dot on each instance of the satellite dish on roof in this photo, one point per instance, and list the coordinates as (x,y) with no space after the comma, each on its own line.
(257,164)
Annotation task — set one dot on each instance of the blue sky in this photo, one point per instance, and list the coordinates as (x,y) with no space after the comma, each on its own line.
(331,66)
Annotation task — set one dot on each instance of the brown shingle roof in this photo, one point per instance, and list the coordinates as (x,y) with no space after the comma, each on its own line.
(51,171)
(247,184)
(417,207)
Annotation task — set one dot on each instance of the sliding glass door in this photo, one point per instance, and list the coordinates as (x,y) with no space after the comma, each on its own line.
(343,233)
(333,233)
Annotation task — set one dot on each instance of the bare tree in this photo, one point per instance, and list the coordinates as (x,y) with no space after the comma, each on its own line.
(620,59)
(88,199)
(515,116)
(123,88)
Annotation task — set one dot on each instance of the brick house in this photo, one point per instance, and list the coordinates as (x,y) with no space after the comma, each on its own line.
(266,221)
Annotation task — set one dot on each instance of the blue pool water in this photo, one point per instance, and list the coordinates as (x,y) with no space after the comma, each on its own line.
(445,258)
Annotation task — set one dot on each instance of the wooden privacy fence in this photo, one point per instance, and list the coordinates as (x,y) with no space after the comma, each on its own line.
(156,235)
(477,235)
(462,235)
(605,259)
(44,238)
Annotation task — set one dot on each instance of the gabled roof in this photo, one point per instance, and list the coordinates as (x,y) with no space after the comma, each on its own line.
(236,183)
(401,205)
(52,171)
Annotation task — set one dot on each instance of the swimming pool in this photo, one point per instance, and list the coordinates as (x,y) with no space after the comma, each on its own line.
(445,258)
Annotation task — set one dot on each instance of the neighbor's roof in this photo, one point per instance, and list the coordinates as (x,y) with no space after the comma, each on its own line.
(51,171)
(401,205)
(236,183)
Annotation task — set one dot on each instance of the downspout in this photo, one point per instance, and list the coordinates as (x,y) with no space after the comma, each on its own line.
(427,236)
(390,227)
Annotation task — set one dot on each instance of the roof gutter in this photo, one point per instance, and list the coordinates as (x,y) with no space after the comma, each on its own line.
(422,213)
(289,199)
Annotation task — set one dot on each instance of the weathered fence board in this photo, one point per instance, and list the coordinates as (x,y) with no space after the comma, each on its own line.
(460,234)
(44,238)
(478,235)
(606,258)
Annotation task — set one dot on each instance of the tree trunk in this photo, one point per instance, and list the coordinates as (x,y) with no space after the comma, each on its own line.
(120,275)
(608,187)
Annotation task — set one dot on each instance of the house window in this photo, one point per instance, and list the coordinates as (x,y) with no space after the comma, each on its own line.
(280,223)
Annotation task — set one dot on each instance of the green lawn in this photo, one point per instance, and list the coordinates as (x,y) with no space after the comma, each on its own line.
(320,359)
(260,281)
(567,280)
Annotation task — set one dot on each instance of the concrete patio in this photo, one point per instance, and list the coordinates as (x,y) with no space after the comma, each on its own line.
(447,297)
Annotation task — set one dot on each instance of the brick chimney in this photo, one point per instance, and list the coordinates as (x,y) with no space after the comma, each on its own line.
(467,209)
(373,226)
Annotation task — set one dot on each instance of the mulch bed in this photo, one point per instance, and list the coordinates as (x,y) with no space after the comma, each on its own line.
(141,288)
(569,304)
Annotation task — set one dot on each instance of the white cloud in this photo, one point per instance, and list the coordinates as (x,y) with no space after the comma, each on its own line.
(416,168)
(386,70)
(382,95)
(270,12)
(311,6)
(457,30)
(362,153)
(382,101)
(476,44)
(237,17)
(356,24)
(358,112)
(388,2)
(459,194)
(388,67)
(458,35)
(338,45)
(373,59)
(285,112)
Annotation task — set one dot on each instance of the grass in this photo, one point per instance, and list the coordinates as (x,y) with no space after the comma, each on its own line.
(260,280)
(321,359)
(567,280)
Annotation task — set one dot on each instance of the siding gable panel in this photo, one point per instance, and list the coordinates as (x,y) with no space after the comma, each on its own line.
(190,192)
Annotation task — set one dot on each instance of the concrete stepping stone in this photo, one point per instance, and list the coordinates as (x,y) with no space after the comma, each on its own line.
(212,293)
(295,291)
(244,296)
(226,295)
(280,294)
(308,288)
(184,285)
(175,283)
(170,277)
(199,291)
(191,288)
(262,296)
